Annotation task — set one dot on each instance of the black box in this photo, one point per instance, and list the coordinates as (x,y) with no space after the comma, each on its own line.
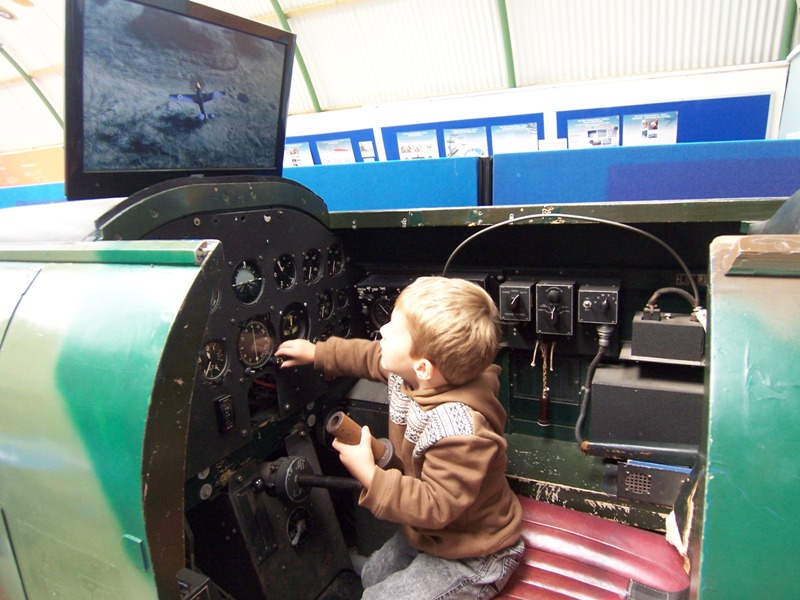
(646,403)
(673,337)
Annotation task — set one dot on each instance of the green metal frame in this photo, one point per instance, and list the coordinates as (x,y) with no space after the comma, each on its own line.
(744,537)
(81,387)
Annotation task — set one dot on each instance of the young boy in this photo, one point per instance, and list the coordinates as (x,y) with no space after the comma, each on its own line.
(460,534)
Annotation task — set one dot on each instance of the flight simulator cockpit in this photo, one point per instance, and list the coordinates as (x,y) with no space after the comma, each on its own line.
(152,447)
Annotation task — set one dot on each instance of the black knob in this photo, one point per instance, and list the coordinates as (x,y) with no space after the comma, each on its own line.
(554,296)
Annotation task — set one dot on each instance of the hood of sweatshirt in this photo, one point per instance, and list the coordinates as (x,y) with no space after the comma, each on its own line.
(480,394)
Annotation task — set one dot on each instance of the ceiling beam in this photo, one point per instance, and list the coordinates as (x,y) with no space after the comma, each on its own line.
(508,50)
(33,85)
(789,22)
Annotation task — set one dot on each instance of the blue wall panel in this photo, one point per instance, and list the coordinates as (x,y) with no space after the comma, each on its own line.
(434,183)
(764,168)
(32,194)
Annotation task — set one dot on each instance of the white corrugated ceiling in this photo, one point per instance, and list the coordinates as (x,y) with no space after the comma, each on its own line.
(362,52)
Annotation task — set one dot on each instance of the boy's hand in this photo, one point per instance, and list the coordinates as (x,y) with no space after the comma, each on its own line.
(296,352)
(358,458)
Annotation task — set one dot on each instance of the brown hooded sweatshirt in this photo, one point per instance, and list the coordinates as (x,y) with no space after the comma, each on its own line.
(454,500)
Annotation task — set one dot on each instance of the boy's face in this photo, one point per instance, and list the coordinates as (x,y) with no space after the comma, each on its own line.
(396,347)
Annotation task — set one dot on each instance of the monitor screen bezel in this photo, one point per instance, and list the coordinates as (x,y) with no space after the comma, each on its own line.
(81,183)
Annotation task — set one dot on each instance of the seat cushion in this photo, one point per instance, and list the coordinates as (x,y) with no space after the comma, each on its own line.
(570,554)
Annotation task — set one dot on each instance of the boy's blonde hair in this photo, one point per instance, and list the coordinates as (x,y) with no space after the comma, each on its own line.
(453,323)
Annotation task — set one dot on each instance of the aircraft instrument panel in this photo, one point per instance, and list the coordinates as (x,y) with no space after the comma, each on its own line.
(285,276)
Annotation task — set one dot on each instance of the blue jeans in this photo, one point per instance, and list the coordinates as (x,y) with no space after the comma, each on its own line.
(398,571)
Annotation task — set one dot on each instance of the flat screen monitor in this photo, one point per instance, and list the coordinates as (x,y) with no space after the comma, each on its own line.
(160,90)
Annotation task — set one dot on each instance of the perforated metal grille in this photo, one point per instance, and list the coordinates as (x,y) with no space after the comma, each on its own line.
(638,484)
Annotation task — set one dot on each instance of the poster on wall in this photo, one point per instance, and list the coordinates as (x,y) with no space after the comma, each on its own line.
(297,155)
(336,152)
(367,150)
(466,141)
(593,132)
(650,128)
(519,137)
(417,144)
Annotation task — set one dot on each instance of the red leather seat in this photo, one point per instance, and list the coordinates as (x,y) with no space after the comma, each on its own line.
(569,554)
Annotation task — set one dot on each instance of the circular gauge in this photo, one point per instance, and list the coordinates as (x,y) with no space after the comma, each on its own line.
(343,329)
(213,360)
(216,298)
(381,311)
(285,271)
(325,305)
(335,260)
(294,322)
(256,343)
(247,282)
(342,299)
(327,332)
(312,266)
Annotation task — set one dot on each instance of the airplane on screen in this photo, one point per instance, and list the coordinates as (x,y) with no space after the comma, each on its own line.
(200,98)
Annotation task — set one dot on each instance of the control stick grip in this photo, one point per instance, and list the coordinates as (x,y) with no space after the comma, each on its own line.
(344,429)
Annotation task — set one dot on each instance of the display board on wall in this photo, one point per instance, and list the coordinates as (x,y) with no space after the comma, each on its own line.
(736,118)
(709,120)
(330,149)
(464,138)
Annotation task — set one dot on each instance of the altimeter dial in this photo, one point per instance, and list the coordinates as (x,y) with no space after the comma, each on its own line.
(256,343)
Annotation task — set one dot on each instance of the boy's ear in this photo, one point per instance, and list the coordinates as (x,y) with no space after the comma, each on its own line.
(424,369)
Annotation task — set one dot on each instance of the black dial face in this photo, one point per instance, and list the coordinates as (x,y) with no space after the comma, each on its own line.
(342,298)
(381,311)
(335,260)
(325,305)
(256,343)
(343,329)
(213,360)
(216,298)
(312,266)
(285,271)
(294,322)
(247,282)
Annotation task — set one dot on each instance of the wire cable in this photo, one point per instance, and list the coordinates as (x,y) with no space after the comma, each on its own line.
(651,303)
(648,235)
(587,391)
